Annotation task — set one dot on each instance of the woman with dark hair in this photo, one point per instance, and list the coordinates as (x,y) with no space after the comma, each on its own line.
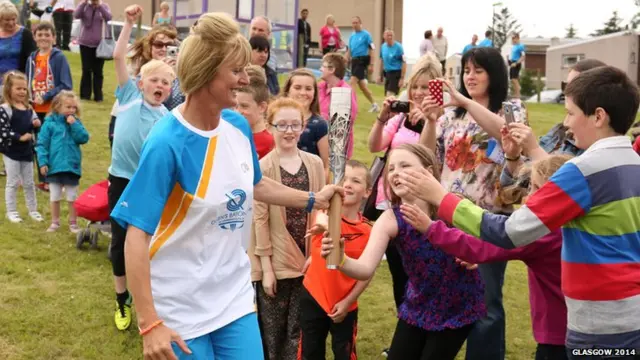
(467,143)
(426,45)
(260,55)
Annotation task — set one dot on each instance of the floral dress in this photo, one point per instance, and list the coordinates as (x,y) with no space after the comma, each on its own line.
(472,161)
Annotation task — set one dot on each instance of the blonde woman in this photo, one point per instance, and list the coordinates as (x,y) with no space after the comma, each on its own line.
(330,37)
(278,248)
(189,206)
(163,17)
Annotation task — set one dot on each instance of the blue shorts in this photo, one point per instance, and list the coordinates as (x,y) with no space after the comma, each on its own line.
(239,340)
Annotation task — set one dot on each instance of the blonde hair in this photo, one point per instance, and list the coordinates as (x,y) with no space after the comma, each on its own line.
(8,9)
(544,168)
(315,103)
(427,65)
(141,48)
(257,87)
(156,66)
(164,3)
(326,18)
(8,80)
(283,103)
(59,99)
(215,40)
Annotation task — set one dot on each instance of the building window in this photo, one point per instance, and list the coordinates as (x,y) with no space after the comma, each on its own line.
(570,60)
(457,70)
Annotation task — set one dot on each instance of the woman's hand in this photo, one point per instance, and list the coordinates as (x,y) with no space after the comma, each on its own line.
(423,185)
(431,108)
(269,283)
(132,13)
(415,115)
(468,266)
(170,61)
(385,112)
(456,99)
(157,344)
(512,148)
(26,137)
(323,197)
(415,217)
(524,136)
(36,123)
(327,245)
(321,225)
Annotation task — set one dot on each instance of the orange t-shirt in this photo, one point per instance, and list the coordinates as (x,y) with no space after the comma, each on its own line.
(42,82)
(328,287)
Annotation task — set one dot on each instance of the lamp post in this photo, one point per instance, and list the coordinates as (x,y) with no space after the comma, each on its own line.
(493,24)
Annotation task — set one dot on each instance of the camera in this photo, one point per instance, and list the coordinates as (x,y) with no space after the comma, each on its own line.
(400,107)
(172,51)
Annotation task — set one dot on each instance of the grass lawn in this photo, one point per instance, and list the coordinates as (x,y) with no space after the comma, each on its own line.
(57,302)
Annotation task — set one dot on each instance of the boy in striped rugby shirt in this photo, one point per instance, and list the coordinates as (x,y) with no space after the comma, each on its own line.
(595,198)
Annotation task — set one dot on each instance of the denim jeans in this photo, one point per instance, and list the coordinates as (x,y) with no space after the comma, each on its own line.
(487,339)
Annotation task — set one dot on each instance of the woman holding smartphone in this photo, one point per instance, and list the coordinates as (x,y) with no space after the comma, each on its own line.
(392,129)
(467,144)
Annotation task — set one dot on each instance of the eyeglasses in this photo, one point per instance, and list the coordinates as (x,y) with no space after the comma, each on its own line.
(161,45)
(281,127)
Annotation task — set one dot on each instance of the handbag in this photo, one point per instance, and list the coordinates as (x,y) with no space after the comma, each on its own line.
(107,45)
(369,210)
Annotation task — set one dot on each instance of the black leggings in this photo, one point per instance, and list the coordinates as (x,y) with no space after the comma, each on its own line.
(551,352)
(413,343)
(118,233)
(92,74)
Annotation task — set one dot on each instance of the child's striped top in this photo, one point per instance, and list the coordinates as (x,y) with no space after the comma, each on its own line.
(595,198)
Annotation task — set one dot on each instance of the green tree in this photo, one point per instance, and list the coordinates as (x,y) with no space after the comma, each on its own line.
(529,84)
(611,26)
(571,32)
(505,25)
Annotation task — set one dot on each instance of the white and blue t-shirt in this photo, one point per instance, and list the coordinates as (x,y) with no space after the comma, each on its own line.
(392,56)
(516,52)
(136,117)
(193,192)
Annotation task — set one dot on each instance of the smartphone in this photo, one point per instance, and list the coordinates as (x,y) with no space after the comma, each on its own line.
(507,109)
(172,52)
(400,107)
(435,89)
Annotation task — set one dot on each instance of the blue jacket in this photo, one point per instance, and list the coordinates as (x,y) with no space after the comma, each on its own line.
(58,69)
(58,145)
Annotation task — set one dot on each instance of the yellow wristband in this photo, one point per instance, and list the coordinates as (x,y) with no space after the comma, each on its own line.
(344,258)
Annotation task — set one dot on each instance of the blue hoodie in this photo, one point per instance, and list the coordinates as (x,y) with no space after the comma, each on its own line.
(58,145)
(58,68)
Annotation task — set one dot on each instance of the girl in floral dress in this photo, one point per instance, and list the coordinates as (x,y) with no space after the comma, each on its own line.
(443,300)
(467,145)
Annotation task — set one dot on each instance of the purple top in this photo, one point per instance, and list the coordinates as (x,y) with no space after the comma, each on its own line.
(440,293)
(542,257)
(92,22)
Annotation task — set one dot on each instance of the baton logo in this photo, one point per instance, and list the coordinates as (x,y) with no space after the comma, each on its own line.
(234,218)
(236,199)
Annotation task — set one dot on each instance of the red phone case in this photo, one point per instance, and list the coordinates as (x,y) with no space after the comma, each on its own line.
(435,88)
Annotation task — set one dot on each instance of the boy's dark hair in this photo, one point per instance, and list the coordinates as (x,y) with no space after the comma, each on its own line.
(487,33)
(608,88)
(259,43)
(358,165)
(43,26)
(587,64)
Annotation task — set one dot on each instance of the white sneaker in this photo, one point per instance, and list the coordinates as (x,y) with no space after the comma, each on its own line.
(374,108)
(36,216)
(14,217)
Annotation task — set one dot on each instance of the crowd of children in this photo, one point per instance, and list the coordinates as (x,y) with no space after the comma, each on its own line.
(577,232)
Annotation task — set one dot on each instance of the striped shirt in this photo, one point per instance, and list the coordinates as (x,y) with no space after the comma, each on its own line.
(595,198)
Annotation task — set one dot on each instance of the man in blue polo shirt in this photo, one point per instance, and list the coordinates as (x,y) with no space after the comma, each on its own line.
(474,40)
(393,63)
(486,42)
(359,53)
(515,64)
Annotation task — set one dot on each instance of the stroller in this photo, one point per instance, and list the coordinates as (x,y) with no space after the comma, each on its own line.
(92,205)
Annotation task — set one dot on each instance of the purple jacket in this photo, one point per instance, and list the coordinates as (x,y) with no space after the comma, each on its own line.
(548,309)
(92,22)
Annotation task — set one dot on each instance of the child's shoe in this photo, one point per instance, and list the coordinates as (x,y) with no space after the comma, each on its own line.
(53,227)
(14,217)
(73,227)
(36,216)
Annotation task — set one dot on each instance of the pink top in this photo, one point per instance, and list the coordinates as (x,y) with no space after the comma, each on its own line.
(542,257)
(394,135)
(326,34)
(324,98)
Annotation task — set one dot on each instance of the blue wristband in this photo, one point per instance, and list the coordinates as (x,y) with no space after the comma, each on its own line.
(311,202)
